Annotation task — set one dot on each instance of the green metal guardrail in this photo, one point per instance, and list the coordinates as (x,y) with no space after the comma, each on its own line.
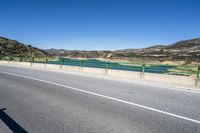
(31,59)
(108,65)
(61,63)
(46,60)
(82,63)
(198,72)
(144,68)
(21,59)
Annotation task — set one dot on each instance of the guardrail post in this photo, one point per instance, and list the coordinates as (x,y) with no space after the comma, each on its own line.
(143,68)
(10,59)
(198,72)
(20,58)
(61,63)
(81,63)
(143,71)
(32,61)
(107,67)
(46,60)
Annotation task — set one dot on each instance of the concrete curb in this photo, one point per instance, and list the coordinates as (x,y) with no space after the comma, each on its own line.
(176,80)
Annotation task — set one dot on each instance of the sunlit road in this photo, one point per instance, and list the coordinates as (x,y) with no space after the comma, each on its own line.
(52,102)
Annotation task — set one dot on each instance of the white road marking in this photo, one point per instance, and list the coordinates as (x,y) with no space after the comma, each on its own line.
(183,89)
(106,97)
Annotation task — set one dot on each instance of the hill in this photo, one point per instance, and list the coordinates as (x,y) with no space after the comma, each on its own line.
(187,52)
(78,53)
(185,44)
(10,47)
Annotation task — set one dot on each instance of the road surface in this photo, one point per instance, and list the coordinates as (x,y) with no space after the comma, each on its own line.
(40,101)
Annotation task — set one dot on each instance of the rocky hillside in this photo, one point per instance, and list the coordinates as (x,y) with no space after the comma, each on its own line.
(78,53)
(10,47)
(187,51)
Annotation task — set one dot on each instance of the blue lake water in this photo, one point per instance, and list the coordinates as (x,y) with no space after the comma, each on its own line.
(112,65)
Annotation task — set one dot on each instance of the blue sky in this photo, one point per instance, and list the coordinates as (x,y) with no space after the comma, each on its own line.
(99,24)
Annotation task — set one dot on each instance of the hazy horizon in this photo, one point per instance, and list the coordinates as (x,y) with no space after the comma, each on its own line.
(95,49)
(99,25)
(119,49)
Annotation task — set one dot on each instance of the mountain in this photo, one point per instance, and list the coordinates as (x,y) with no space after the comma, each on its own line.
(10,47)
(186,51)
(78,53)
(185,44)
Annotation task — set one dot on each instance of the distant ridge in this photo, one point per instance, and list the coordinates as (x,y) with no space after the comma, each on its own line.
(185,43)
(187,51)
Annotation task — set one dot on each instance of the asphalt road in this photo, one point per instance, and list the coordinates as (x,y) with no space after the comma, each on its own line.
(52,102)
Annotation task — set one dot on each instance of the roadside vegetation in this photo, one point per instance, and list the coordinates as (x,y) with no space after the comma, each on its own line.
(157,68)
(184,70)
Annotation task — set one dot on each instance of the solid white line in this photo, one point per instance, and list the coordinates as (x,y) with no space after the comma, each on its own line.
(146,83)
(158,85)
(106,97)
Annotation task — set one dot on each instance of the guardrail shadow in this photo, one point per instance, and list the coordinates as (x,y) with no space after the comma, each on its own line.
(12,124)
